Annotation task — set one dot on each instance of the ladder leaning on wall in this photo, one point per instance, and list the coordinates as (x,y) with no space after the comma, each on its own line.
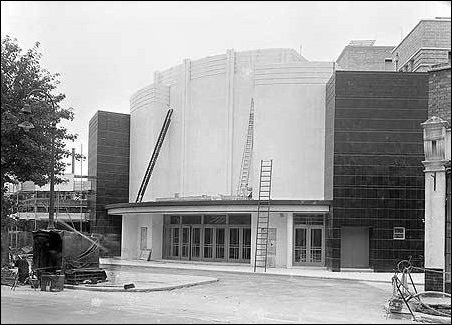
(263,215)
(154,156)
(243,189)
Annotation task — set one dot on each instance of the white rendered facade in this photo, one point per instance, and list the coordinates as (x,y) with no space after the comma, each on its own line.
(202,151)
(211,99)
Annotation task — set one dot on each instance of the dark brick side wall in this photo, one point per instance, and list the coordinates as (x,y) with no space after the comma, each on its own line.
(378,173)
(433,280)
(439,102)
(108,164)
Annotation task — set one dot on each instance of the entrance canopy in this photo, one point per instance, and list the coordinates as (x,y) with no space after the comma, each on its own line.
(201,206)
(219,230)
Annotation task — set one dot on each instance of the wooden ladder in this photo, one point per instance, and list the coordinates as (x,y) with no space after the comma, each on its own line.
(242,188)
(263,215)
(154,156)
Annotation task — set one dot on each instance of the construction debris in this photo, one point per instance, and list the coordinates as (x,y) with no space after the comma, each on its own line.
(428,306)
(129,286)
(70,254)
(8,276)
(91,276)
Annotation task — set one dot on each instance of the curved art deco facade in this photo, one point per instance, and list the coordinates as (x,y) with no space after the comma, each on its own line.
(211,97)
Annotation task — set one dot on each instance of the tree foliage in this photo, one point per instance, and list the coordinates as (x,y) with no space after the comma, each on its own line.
(26,156)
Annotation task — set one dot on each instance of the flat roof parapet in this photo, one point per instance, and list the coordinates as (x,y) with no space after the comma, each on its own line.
(370,42)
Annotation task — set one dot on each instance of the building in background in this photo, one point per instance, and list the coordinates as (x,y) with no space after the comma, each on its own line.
(426,45)
(363,55)
(31,208)
(108,168)
(437,148)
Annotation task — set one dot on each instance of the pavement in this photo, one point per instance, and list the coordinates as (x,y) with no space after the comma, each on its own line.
(143,282)
(309,272)
(162,281)
(236,298)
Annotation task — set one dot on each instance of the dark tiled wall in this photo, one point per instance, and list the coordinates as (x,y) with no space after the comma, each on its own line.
(108,164)
(329,140)
(378,175)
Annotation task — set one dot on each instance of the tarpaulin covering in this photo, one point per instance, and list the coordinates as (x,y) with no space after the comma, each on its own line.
(63,250)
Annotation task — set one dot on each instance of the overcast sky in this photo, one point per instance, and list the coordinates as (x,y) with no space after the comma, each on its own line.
(105,51)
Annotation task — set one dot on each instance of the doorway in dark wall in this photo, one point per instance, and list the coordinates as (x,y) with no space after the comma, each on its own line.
(355,247)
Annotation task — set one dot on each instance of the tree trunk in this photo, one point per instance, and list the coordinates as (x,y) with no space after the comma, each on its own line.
(5,246)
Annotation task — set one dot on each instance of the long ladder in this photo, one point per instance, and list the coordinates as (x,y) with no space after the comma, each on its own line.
(263,215)
(242,188)
(155,154)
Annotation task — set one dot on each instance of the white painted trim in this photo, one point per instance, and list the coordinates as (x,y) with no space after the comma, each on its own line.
(217,209)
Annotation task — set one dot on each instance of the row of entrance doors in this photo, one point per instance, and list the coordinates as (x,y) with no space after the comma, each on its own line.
(215,243)
(233,244)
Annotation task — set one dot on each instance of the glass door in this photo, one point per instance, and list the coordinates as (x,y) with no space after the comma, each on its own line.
(208,243)
(185,243)
(308,245)
(316,245)
(300,247)
(234,244)
(246,244)
(220,240)
(174,242)
(195,243)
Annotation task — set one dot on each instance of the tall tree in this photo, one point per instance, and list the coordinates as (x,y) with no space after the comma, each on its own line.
(26,155)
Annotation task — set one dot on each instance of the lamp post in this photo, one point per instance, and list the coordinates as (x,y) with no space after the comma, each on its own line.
(26,127)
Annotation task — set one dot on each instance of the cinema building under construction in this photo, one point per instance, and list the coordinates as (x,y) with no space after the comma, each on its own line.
(266,158)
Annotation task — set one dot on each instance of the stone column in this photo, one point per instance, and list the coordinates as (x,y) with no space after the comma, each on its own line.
(435,200)
(289,240)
